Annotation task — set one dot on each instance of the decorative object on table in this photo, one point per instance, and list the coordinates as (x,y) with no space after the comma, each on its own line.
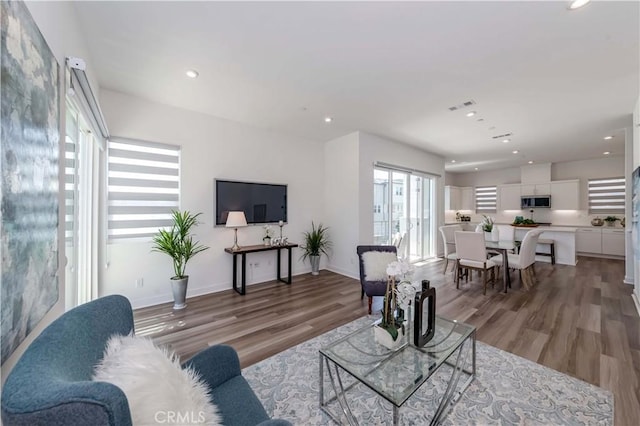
(424,324)
(178,243)
(623,222)
(391,330)
(316,243)
(280,224)
(29,163)
(487,227)
(611,220)
(268,234)
(596,221)
(236,220)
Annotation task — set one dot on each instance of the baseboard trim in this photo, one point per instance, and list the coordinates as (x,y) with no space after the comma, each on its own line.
(636,302)
(342,272)
(628,280)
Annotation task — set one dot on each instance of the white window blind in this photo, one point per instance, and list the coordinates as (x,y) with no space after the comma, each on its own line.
(607,195)
(486,197)
(70,168)
(144,187)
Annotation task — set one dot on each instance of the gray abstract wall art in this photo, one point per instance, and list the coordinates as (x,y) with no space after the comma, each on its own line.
(29,118)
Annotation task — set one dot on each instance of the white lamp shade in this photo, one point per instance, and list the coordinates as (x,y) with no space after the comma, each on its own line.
(236,220)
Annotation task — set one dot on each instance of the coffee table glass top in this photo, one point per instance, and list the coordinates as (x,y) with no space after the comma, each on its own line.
(396,375)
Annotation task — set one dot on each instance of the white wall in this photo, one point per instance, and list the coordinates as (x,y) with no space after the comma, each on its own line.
(57,22)
(341,186)
(212,148)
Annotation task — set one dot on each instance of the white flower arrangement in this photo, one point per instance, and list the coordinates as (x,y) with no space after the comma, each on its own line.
(268,232)
(401,269)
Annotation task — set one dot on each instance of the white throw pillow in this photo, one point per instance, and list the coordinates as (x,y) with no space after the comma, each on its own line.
(158,390)
(375,264)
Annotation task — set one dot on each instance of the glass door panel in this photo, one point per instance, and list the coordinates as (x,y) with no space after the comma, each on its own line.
(381,223)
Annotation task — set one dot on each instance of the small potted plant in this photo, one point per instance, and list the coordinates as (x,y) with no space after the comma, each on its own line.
(611,220)
(178,244)
(268,234)
(391,330)
(316,243)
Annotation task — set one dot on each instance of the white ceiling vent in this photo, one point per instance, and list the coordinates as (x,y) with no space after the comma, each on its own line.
(506,135)
(462,105)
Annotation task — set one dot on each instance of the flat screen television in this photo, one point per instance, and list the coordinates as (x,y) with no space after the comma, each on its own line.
(260,202)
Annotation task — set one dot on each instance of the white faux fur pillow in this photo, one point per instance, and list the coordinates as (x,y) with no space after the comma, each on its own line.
(375,264)
(158,390)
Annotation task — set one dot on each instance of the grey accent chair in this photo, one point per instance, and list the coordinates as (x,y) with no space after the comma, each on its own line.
(372,288)
(51,383)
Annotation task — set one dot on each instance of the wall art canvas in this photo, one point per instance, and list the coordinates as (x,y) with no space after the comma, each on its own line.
(29,114)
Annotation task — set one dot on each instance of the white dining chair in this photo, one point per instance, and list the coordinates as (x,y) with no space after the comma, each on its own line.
(449,243)
(472,254)
(506,232)
(525,261)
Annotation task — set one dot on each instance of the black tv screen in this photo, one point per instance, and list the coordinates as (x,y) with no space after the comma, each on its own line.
(260,202)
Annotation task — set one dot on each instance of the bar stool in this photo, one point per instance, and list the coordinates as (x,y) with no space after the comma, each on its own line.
(552,249)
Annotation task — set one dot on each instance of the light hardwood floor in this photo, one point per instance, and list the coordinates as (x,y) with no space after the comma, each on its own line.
(577,320)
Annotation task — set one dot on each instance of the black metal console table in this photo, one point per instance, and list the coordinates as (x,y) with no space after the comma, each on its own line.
(254,249)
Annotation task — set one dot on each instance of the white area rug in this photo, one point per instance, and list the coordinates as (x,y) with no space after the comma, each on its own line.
(507,390)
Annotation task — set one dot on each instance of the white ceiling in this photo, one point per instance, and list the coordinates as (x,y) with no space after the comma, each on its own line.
(558,80)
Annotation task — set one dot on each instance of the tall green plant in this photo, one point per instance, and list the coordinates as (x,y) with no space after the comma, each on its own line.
(316,241)
(177,241)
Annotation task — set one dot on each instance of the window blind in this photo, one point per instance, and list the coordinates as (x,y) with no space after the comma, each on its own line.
(486,199)
(70,167)
(607,195)
(144,188)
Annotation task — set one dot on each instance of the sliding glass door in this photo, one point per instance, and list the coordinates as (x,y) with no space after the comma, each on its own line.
(402,212)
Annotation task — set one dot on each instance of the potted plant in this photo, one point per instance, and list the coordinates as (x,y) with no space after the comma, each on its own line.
(178,243)
(487,227)
(391,330)
(611,220)
(316,243)
(268,234)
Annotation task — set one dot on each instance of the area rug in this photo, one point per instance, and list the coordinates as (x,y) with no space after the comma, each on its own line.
(507,390)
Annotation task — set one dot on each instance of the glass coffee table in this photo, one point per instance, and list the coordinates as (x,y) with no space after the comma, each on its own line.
(396,375)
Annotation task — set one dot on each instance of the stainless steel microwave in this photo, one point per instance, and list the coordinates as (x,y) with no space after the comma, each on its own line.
(535,202)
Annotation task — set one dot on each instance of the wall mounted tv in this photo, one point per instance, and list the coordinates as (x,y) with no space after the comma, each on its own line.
(260,202)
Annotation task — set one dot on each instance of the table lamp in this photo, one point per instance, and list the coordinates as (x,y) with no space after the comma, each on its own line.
(236,220)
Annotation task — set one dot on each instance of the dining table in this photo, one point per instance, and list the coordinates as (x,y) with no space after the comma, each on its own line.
(504,247)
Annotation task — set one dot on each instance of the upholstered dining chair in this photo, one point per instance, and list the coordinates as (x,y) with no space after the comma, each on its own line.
(525,260)
(449,243)
(373,264)
(472,254)
(506,232)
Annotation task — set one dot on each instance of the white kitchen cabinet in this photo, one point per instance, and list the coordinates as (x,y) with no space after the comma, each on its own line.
(565,195)
(509,197)
(452,198)
(613,242)
(589,240)
(456,198)
(467,200)
(535,189)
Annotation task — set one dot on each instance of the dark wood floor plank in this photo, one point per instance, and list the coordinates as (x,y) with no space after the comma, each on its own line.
(579,320)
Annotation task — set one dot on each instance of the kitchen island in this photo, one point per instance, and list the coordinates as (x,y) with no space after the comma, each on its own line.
(564,238)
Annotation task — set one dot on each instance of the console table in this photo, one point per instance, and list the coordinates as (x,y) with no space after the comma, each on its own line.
(255,249)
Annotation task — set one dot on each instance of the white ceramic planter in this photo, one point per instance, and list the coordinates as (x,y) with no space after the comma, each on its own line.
(383,337)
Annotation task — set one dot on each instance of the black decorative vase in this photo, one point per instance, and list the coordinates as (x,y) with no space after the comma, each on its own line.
(424,324)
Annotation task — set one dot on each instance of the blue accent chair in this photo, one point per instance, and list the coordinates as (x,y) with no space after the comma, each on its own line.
(51,383)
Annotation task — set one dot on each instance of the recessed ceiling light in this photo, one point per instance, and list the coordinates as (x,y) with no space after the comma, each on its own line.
(506,140)
(453,161)
(608,138)
(530,161)
(515,152)
(475,168)
(606,153)
(328,119)
(471,114)
(576,4)
(192,73)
